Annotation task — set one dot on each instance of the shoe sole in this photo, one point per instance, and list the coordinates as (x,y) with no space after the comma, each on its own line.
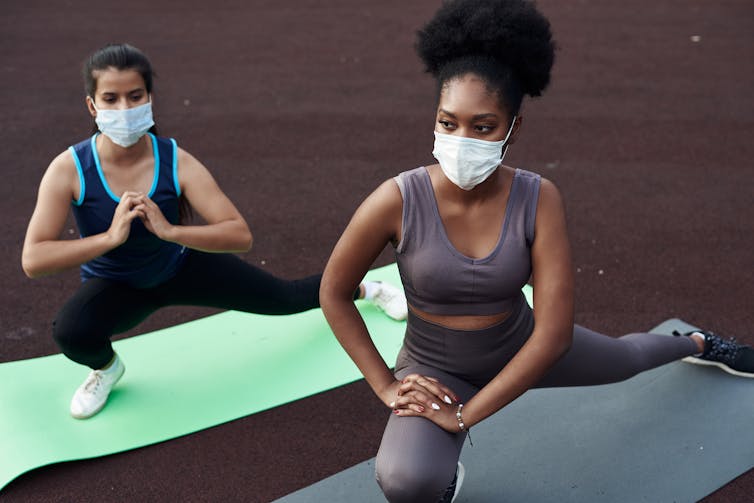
(94,413)
(722,366)
(459,481)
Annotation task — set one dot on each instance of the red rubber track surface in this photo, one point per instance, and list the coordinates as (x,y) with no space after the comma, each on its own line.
(300,109)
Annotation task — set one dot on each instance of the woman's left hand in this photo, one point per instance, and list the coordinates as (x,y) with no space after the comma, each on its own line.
(154,220)
(419,396)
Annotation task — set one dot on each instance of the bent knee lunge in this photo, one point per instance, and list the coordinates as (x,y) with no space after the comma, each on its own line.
(417,460)
(416,483)
(82,346)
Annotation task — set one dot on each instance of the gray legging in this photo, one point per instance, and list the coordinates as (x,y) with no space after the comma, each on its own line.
(417,459)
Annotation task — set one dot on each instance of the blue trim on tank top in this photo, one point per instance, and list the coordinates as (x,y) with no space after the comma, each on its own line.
(82,182)
(175,168)
(155,178)
(156,153)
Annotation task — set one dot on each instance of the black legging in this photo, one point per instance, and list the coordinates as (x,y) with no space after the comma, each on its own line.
(101,308)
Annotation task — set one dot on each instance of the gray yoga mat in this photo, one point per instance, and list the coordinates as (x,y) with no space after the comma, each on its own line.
(675,433)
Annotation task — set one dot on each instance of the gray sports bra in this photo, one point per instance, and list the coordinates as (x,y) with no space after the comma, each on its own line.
(437,278)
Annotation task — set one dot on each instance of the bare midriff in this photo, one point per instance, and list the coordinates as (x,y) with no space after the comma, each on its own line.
(461,322)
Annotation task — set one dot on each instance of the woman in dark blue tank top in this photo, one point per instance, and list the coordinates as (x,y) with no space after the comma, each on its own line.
(467,234)
(131,192)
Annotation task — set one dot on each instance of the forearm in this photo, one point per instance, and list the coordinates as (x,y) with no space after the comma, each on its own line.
(522,373)
(49,257)
(352,334)
(370,229)
(227,236)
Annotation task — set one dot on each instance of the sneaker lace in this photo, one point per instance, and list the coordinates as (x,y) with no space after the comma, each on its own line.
(93,382)
(384,297)
(450,491)
(723,351)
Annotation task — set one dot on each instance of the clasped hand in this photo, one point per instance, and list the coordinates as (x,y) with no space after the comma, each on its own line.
(137,205)
(419,395)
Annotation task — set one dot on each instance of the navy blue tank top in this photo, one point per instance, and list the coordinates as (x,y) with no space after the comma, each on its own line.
(144,260)
(439,279)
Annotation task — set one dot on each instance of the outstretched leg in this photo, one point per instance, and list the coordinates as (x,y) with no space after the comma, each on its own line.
(599,359)
(225,281)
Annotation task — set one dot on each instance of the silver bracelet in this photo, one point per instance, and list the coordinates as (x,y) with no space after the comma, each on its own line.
(461,426)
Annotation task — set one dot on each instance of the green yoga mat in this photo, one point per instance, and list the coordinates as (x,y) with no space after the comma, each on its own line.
(179,380)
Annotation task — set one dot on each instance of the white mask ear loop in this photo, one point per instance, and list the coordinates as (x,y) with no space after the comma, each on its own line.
(91,100)
(510,130)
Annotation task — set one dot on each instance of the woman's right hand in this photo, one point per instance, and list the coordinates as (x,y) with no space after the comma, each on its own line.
(131,206)
(417,392)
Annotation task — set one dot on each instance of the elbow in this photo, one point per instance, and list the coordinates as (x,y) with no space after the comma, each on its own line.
(30,268)
(564,343)
(326,295)
(248,240)
(243,244)
(239,241)
(330,295)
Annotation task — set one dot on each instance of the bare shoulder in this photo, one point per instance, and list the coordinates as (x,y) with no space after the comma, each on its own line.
(388,193)
(192,173)
(381,212)
(549,195)
(551,215)
(383,204)
(63,163)
(186,161)
(62,174)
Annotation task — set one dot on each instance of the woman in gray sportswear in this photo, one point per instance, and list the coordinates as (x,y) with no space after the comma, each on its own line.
(468,233)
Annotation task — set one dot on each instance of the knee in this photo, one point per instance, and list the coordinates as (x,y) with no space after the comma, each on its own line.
(411,483)
(65,333)
(78,325)
(81,342)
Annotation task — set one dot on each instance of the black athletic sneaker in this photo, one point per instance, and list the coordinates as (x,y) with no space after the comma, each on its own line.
(734,358)
(455,487)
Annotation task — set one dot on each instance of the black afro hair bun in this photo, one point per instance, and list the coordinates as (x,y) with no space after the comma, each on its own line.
(513,33)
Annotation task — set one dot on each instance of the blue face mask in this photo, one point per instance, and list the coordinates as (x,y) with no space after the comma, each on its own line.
(467,162)
(125,127)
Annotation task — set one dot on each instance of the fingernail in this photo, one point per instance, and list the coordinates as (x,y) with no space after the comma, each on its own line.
(421,409)
(435,406)
(395,412)
(447,399)
(392,405)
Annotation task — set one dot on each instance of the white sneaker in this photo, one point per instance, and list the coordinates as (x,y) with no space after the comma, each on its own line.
(460,474)
(390,299)
(91,396)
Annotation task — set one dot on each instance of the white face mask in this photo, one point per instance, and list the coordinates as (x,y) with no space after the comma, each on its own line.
(467,162)
(125,127)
